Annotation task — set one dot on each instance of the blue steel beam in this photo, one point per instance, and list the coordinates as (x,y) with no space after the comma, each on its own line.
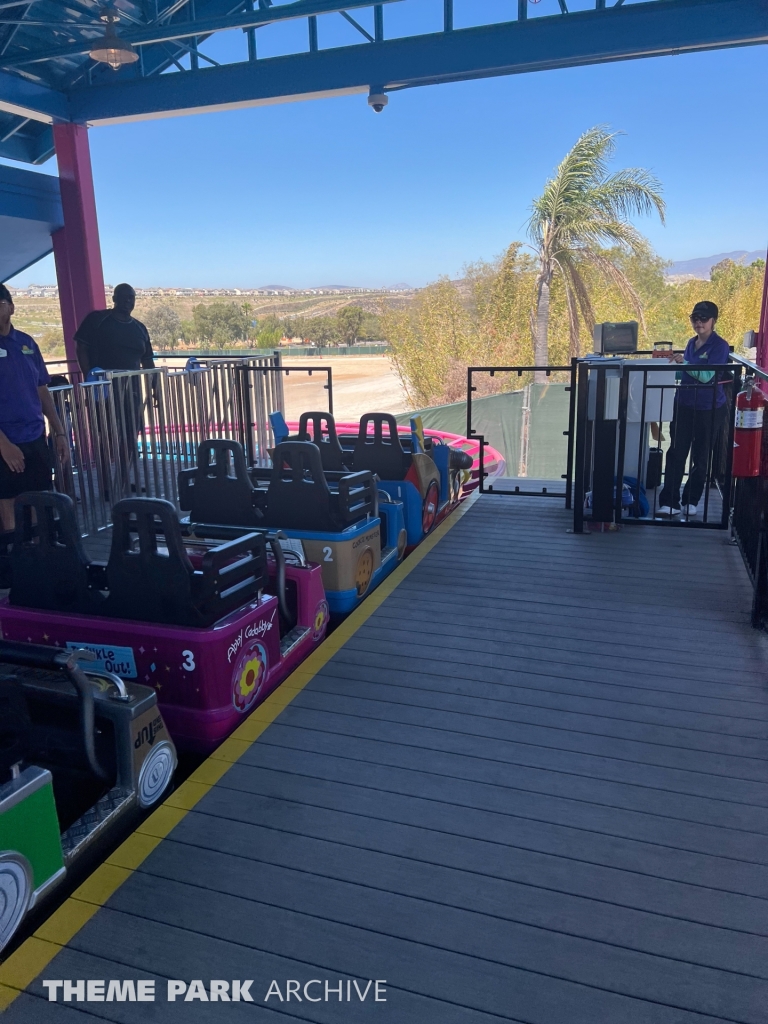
(29,195)
(28,150)
(197,27)
(657,28)
(30,210)
(28,99)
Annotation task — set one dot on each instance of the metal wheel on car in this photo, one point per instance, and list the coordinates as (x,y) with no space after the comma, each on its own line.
(155,774)
(15,892)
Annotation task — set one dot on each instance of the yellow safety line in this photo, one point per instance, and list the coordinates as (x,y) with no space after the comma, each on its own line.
(34,955)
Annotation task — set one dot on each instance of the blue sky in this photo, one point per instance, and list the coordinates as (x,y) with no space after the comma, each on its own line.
(327,192)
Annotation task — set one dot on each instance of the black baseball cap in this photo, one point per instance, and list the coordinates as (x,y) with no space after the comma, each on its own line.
(705,310)
(5,294)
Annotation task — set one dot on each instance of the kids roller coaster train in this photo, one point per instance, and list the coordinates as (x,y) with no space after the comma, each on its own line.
(190,624)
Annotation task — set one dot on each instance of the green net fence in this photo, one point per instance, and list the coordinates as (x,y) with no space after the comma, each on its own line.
(527,427)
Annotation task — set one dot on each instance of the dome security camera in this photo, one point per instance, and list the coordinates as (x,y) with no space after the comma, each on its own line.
(377,99)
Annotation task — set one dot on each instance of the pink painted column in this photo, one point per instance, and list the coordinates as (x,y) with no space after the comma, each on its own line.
(76,246)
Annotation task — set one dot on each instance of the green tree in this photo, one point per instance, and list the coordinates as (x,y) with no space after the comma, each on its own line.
(188,331)
(164,325)
(322,330)
(370,328)
(218,324)
(295,327)
(501,299)
(577,221)
(350,321)
(270,331)
(429,339)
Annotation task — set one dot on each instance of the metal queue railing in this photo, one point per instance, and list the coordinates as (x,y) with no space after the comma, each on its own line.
(132,432)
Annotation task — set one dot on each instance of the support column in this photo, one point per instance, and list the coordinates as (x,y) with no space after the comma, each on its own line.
(76,246)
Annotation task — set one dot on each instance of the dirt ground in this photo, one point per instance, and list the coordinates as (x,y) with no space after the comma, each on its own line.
(360,384)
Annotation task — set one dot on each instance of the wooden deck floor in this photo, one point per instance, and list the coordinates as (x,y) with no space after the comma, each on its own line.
(532,787)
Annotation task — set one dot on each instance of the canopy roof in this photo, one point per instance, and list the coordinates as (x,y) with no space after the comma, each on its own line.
(47,75)
(30,210)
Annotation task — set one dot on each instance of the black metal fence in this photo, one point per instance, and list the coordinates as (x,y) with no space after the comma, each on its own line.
(623,419)
(261,387)
(528,414)
(632,417)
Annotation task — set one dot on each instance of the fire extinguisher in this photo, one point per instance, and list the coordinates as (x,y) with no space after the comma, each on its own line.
(748,432)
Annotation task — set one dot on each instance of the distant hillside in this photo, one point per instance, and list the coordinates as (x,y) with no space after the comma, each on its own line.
(346,288)
(701,267)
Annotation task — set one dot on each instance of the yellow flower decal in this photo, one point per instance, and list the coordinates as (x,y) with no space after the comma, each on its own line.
(249,676)
(321,621)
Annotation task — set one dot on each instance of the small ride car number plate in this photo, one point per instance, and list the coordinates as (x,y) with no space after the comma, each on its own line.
(119,660)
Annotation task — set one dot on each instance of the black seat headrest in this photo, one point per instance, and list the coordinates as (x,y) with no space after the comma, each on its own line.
(219,490)
(322,423)
(49,567)
(381,454)
(146,583)
(298,496)
(155,582)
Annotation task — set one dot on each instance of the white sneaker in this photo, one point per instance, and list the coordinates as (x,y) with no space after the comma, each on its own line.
(691,510)
(666,511)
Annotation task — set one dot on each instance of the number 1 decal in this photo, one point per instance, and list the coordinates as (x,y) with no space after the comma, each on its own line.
(328,554)
(189,661)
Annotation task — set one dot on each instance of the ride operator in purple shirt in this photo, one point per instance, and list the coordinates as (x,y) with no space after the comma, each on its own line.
(700,413)
(25,458)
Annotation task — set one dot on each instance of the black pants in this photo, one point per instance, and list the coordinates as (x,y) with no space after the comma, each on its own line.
(694,431)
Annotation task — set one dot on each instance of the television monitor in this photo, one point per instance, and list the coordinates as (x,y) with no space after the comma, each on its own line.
(612,339)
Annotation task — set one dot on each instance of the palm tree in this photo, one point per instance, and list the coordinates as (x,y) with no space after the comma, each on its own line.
(581,213)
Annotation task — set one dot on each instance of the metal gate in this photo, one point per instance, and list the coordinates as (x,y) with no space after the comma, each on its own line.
(622,411)
(531,421)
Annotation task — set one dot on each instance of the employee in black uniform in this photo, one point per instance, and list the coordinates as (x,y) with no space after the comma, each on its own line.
(112,339)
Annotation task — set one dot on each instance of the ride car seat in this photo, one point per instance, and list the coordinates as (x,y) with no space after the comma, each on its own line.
(298,495)
(159,584)
(49,567)
(219,489)
(332,455)
(379,454)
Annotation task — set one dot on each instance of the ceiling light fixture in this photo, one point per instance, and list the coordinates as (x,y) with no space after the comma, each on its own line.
(111,49)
